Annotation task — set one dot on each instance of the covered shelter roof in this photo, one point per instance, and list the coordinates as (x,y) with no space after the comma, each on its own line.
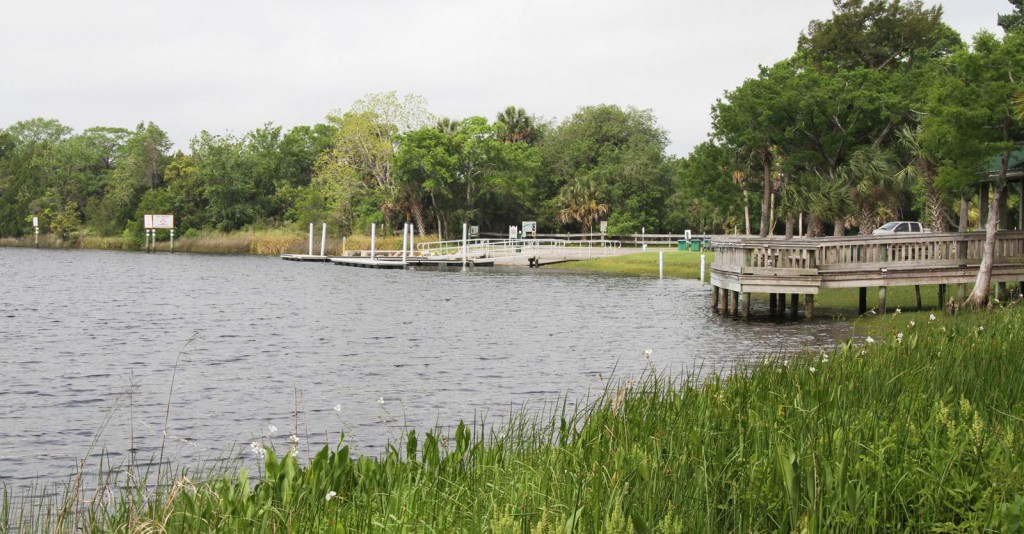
(1014,170)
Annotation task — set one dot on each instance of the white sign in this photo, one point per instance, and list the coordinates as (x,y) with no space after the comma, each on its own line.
(159,222)
(687,235)
(604,226)
(474,231)
(512,232)
(530,226)
(35,222)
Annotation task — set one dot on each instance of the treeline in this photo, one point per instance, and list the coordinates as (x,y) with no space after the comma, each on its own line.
(882,112)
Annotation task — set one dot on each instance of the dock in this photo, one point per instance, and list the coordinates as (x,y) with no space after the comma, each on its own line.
(392,262)
(803,266)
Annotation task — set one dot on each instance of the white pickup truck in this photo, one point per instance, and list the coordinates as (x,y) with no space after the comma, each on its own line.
(901,227)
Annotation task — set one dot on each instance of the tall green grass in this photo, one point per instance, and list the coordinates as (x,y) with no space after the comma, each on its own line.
(919,429)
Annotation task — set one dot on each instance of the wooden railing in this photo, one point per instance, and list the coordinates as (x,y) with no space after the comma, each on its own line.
(811,255)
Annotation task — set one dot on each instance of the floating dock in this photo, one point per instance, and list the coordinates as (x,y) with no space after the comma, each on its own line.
(392,262)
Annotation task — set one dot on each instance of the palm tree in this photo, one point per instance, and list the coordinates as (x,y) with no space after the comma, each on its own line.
(923,167)
(823,200)
(580,202)
(515,125)
(446,126)
(876,186)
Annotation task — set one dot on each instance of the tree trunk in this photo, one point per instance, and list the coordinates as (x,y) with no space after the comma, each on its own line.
(417,215)
(936,211)
(815,228)
(790,225)
(746,210)
(964,214)
(979,296)
(839,228)
(766,161)
(867,221)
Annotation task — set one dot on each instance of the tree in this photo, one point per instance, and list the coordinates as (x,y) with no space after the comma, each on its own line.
(876,185)
(620,150)
(580,202)
(515,126)
(972,117)
(1014,21)
(364,145)
(923,167)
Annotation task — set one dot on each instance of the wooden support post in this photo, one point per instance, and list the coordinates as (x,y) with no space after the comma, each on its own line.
(794,304)
(961,292)
(1001,293)
(917,293)
(862,300)
(773,302)
(735,302)
(881,300)
(782,303)
(725,302)
(745,297)
(942,295)
(809,306)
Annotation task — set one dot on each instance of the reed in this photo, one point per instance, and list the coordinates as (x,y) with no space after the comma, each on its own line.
(918,428)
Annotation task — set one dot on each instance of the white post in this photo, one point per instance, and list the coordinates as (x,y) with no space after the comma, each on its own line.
(702,269)
(323,240)
(465,244)
(412,234)
(310,239)
(37,237)
(661,264)
(373,240)
(405,242)
(172,240)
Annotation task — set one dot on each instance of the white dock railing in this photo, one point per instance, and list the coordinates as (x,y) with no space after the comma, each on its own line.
(511,248)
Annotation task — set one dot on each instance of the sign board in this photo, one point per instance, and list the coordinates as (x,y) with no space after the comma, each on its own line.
(158,222)
(530,226)
(35,222)
(474,231)
(687,235)
(512,232)
(604,226)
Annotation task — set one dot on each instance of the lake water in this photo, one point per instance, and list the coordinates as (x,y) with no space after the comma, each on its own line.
(89,343)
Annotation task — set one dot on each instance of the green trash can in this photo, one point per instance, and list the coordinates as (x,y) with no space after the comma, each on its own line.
(695,245)
(682,244)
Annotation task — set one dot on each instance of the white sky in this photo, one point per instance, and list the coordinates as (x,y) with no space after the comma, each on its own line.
(229,66)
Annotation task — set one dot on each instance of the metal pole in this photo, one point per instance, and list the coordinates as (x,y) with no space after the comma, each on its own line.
(323,240)
(701,269)
(661,264)
(310,239)
(373,240)
(37,237)
(465,245)
(172,240)
(405,242)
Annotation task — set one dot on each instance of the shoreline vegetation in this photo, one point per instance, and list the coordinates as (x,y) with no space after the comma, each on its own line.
(918,428)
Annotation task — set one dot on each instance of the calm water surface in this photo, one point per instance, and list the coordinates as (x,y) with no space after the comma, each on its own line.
(89,341)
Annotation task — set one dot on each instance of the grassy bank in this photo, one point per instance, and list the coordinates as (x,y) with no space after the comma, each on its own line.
(260,242)
(917,430)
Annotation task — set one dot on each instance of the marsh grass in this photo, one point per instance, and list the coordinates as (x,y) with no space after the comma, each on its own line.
(918,429)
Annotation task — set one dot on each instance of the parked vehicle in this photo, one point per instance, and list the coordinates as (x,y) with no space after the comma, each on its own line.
(900,227)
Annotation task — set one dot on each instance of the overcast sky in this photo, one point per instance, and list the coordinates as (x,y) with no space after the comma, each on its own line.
(231,66)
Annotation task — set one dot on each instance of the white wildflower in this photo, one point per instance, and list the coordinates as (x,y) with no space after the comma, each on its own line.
(824,359)
(258,449)
(330,495)
(981,328)
(337,408)
(380,400)
(811,369)
(899,310)
(912,324)
(271,429)
(293,444)
(870,339)
(899,337)
(647,353)
(931,316)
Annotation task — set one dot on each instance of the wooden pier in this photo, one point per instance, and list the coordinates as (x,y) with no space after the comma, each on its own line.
(804,266)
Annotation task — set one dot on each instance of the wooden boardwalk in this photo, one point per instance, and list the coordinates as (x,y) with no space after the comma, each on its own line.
(804,266)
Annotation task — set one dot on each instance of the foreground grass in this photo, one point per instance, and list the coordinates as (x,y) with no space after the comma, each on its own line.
(919,430)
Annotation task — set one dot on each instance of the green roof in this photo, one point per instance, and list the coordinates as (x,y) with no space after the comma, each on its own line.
(1015,169)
